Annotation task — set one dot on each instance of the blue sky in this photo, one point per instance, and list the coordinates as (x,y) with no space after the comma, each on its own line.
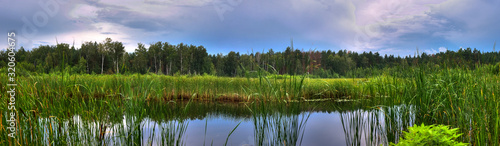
(388,26)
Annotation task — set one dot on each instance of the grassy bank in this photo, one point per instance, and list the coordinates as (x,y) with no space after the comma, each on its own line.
(464,99)
(206,88)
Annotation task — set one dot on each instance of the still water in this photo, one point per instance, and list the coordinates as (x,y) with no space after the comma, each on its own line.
(247,124)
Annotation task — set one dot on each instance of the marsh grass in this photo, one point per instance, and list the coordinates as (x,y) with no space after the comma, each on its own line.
(36,90)
(464,99)
(47,104)
(96,122)
(285,127)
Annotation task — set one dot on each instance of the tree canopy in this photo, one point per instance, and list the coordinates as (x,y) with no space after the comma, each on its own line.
(109,57)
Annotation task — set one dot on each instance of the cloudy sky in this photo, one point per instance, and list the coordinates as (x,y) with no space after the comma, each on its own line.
(388,26)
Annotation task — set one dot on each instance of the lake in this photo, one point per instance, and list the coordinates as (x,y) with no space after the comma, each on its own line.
(241,124)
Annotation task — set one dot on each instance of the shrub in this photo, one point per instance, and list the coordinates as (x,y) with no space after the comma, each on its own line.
(430,135)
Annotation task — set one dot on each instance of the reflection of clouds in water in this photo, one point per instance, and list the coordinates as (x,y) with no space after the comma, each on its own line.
(218,129)
(247,142)
(322,128)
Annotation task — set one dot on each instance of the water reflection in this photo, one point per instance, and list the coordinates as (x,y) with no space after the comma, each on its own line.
(279,128)
(211,124)
(362,127)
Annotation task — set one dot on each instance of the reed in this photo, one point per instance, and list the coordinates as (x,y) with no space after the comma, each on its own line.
(85,109)
(45,88)
(464,99)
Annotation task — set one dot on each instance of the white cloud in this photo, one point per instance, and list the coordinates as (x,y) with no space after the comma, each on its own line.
(442,49)
(397,52)
(82,11)
(435,51)
(388,26)
(430,51)
(385,24)
(192,3)
(471,21)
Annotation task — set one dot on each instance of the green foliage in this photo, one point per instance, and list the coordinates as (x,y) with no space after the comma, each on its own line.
(422,135)
(322,73)
(81,65)
(26,66)
(341,64)
(496,68)
(108,56)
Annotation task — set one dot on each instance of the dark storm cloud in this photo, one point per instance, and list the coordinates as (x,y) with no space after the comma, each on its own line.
(257,24)
(30,21)
(241,25)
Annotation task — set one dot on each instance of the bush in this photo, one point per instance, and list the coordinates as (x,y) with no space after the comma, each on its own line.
(430,135)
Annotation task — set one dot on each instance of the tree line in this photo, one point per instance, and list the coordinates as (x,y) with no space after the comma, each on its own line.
(110,57)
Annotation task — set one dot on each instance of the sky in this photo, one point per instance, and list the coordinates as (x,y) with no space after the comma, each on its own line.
(396,27)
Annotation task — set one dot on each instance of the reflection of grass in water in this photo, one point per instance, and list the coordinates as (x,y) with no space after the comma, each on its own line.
(397,118)
(374,126)
(101,121)
(173,133)
(93,122)
(361,124)
(279,128)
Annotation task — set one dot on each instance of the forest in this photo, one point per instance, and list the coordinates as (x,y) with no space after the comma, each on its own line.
(110,57)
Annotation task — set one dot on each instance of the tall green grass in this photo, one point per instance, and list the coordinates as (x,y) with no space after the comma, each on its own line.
(464,99)
(39,90)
